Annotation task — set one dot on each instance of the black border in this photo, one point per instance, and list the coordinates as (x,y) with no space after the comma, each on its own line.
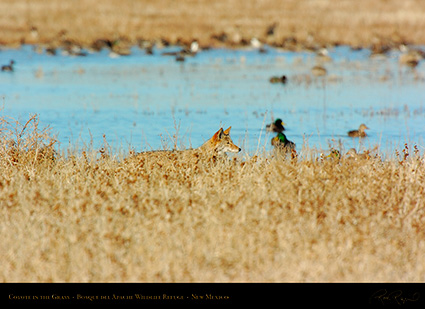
(376,295)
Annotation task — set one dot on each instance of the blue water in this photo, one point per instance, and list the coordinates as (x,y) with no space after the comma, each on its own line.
(145,102)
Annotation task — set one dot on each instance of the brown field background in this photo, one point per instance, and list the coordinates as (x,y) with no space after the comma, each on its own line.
(95,217)
(356,23)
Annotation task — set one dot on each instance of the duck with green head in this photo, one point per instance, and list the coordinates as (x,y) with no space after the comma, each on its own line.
(282,143)
(334,155)
(276,126)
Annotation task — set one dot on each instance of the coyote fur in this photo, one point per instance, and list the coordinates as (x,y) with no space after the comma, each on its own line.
(216,146)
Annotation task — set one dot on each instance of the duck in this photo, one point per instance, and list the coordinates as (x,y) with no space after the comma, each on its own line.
(121,50)
(410,58)
(180,58)
(360,132)
(255,43)
(72,49)
(148,46)
(278,80)
(323,55)
(379,48)
(149,50)
(119,47)
(270,31)
(99,44)
(192,50)
(353,154)
(8,67)
(282,143)
(276,126)
(319,70)
(194,47)
(334,154)
(50,50)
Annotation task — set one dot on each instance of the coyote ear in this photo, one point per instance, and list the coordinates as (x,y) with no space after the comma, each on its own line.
(218,134)
(227,131)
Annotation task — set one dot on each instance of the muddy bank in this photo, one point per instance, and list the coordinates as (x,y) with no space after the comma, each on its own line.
(294,25)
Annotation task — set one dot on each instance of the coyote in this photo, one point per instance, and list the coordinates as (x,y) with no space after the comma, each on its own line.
(216,146)
(220,143)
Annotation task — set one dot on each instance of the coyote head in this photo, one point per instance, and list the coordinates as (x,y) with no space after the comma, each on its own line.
(222,143)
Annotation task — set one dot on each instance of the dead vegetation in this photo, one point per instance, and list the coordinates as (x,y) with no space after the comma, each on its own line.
(92,216)
(25,144)
(290,24)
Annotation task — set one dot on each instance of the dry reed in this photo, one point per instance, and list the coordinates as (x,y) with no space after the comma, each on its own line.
(91,216)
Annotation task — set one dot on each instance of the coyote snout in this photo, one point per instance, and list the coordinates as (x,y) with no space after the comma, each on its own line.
(220,143)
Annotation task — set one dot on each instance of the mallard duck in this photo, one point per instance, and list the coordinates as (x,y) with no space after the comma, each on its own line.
(282,143)
(276,126)
(278,80)
(335,154)
(8,67)
(358,133)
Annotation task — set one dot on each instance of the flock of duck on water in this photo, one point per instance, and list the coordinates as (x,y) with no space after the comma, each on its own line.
(282,144)
(121,46)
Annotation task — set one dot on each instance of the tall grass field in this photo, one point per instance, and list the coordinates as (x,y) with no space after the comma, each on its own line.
(96,216)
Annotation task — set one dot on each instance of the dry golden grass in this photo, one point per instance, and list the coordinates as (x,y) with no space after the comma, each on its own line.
(91,217)
(357,23)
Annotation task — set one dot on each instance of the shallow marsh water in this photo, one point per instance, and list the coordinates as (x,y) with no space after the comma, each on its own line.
(144,102)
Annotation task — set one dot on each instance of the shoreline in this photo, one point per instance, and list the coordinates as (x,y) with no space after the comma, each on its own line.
(122,47)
